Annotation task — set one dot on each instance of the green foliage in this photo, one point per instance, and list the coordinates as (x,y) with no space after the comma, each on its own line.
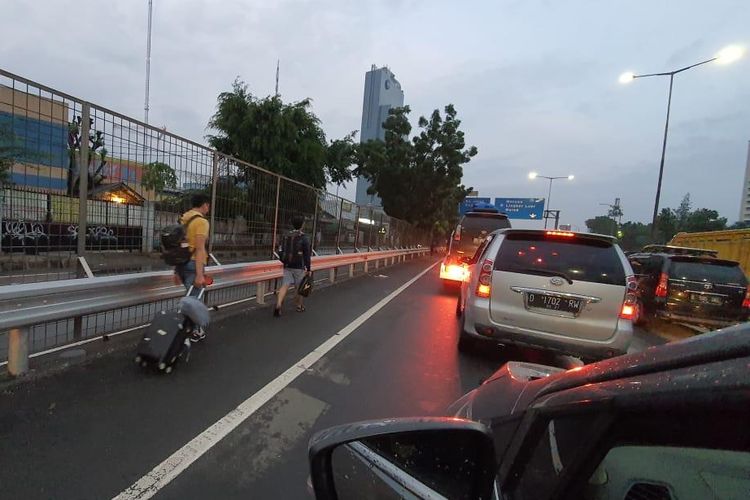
(158,176)
(602,224)
(683,219)
(286,138)
(418,180)
(635,235)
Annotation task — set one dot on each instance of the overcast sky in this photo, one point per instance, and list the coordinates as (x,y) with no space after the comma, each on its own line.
(534,81)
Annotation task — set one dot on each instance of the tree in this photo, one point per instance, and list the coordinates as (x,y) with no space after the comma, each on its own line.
(96,150)
(704,219)
(740,224)
(158,176)
(683,211)
(418,180)
(284,138)
(601,224)
(635,235)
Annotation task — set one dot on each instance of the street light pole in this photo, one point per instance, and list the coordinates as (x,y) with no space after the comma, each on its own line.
(534,175)
(726,56)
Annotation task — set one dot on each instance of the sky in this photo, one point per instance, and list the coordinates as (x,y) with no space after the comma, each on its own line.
(535,82)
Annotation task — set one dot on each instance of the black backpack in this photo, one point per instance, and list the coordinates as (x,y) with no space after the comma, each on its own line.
(291,250)
(174,245)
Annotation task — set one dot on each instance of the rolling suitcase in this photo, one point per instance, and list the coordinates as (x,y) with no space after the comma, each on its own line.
(166,339)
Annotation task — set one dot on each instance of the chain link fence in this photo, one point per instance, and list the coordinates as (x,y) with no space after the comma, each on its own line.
(79,180)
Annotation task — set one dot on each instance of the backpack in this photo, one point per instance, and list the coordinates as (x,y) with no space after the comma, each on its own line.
(174,245)
(291,250)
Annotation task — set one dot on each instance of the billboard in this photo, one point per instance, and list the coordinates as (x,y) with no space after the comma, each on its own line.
(521,208)
(469,203)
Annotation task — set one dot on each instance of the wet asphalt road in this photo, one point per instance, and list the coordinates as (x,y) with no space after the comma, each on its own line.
(93,430)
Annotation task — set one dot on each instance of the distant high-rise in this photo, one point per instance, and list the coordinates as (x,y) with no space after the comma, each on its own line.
(745,201)
(382,92)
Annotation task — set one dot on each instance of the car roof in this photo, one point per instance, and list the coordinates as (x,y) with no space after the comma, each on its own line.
(677,250)
(712,347)
(486,213)
(535,232)
(705,259)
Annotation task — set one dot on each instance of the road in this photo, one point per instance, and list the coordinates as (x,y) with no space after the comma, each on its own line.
(94,430)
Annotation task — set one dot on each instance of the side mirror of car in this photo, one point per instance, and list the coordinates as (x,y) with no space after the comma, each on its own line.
(403,458)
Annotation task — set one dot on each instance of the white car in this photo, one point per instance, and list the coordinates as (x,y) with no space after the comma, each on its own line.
(556,290)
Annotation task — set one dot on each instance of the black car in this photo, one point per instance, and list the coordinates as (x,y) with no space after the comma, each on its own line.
(666,423)
(690,286)
(471,231)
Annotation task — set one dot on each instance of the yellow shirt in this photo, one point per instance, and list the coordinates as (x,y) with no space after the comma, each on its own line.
(199,227)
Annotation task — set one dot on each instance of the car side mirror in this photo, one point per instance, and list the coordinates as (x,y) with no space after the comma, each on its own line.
(403,458)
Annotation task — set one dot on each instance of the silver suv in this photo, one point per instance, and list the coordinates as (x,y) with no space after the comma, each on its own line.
(555,290)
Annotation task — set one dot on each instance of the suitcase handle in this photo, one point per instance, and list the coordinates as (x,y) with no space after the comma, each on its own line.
(200,294)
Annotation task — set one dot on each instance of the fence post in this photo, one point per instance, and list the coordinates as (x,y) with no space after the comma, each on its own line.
(351,270)
(214,182)
(83,178)
(18,351)
(276,215)
(338,231)
(356,229)
(260,292)
(315,220)
(332,275)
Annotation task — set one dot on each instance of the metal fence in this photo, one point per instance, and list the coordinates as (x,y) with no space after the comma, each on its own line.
(80,180)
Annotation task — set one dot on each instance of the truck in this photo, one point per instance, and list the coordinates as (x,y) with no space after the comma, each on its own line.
(732,244)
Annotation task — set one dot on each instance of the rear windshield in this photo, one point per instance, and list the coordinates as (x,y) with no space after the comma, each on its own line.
(474,228)
(709,272)
(576,258)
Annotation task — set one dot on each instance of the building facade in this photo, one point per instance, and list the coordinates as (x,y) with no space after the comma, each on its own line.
(382,92)
(745,200)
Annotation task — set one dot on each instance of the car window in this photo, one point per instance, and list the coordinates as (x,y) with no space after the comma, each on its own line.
(481,249)
(670,472)
(719,273)
(578,258)
(474,228)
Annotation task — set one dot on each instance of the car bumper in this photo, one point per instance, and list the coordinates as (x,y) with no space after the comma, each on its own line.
(479,326)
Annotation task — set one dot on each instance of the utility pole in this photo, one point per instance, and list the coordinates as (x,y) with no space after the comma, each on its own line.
(148,62)
(277,78)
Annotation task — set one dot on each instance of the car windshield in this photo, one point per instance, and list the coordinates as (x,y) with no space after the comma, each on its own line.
(709,272)
(580,259)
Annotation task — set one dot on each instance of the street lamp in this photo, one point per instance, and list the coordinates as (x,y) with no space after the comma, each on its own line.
(534,175)
(725,56)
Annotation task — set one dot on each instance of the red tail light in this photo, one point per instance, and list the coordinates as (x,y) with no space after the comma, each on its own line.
(746,302)
(628,311)
(457,234)
(661,288)
(484,286)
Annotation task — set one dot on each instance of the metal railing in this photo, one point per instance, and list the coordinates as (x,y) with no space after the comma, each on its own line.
(80,179)
(88,307)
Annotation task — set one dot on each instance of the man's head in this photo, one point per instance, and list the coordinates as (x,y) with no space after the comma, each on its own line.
(297,222)
(201,202)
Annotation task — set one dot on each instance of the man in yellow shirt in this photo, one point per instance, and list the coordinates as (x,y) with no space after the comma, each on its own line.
(197,230)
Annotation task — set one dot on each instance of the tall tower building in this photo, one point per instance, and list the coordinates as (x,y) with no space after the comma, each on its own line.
(745,200)
(382,92)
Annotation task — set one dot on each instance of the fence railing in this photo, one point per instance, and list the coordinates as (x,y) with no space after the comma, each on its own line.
(41,316)
(79,179)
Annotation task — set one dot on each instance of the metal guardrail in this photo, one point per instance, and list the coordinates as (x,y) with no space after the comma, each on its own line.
(23,306)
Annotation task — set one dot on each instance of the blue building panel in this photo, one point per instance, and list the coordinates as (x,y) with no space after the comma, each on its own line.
(39,181)
(38,142)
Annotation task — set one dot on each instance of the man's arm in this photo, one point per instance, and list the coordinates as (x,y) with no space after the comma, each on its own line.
(307,253)
(201,256)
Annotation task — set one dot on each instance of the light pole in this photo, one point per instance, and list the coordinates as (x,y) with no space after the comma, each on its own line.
(534,175)
(725,56)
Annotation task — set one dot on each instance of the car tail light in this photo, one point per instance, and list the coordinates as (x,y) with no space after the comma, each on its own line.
(746,302)
(484,285)
(661,288)
(628,311)
(457,234)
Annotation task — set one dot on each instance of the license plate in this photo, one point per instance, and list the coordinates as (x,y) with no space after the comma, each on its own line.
(706,299)
(553,303)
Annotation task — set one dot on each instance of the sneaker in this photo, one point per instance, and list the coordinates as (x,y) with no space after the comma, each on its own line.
(197,335)
(276,312)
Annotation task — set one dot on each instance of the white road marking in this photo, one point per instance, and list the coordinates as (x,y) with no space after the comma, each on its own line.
(174,465)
